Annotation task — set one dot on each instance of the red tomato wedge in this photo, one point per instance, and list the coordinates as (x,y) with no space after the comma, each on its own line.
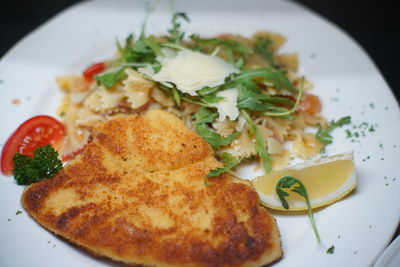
(93,70)
(37,131)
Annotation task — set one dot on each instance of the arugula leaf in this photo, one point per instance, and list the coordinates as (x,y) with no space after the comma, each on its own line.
(214,138)
(277,78)
(150,5)
(153,43)
(251,99)
(211,98)
(204,115)
(124,50)
(44,164)
(261,150)
(281,100)
(208,90)
(176,95)
(290,182)
(231,44)
(229,162)
(108,79)
(143,51)
(176,36)
(195,101)
(259,145)
(261,47)
(239,63)
(280,111)
(324,135)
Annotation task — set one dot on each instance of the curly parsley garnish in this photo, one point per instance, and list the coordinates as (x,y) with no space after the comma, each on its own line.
(44,164)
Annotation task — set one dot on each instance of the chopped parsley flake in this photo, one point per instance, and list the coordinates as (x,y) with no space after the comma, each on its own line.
(331,249)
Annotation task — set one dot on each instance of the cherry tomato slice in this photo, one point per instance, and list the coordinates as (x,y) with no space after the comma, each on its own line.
(310,104)
(37,131)
(93,70)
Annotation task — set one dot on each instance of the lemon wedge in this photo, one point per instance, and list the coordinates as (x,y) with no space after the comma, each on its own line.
(326,180)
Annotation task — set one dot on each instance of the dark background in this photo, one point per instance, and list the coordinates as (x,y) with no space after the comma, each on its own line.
(373,24)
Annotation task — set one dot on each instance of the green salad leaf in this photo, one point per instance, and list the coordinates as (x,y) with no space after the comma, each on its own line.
(176,35)
(229,162)
(214,138)
(204,115)
(259,145)
(108,79)
(261,47)
(230,44)
(277,78)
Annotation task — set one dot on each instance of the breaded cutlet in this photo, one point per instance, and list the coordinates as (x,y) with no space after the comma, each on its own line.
(137,194)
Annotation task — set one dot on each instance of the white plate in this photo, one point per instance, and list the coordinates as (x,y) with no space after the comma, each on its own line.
(391,256)
(360,226)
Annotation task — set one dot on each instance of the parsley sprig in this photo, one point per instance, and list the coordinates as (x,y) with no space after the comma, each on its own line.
(296,186)
(44,164)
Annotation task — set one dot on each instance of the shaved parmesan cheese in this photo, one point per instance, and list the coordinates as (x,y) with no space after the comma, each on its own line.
(227,106)
(190,71)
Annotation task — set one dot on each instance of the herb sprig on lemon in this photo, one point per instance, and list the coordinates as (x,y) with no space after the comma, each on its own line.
(317,183)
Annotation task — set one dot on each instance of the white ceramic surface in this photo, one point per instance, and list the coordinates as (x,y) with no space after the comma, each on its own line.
(391,256)
(359,226)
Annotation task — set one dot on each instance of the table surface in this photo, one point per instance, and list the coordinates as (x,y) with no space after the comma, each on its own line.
(374,25)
